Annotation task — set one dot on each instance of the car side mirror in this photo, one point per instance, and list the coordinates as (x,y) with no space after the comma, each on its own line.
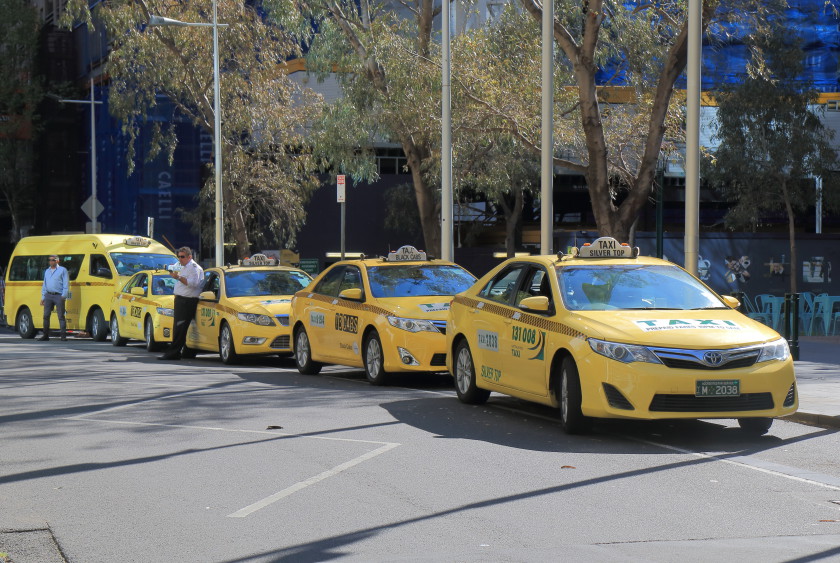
(352,294)
(208,296)
(104,273)
(731,302)
(538,304)
(138,291)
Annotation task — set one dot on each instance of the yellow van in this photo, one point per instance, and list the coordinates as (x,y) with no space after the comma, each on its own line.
(97,265)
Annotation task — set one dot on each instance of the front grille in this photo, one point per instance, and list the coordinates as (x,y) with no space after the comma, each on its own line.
(281,343)
(616,399)
(683,358)
(692,364)
(438,360)
(790,398)
(690,403)
(440,325)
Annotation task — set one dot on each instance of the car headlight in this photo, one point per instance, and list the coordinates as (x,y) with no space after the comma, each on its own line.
(166,312)
(262,320)
(776,350)
(625,353)
(412,325)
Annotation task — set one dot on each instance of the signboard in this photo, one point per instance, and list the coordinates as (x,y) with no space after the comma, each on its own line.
(310,266)
(406,253)
(340,184)
(606,247)
(92,207)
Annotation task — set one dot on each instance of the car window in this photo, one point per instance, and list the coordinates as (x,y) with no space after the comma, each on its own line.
(418,279)
(137,281)
(212,283)
(503,286)
(128,263)
(632,287)
(264,282)
(329,284)
(163,285)
(536,283)
(352,279)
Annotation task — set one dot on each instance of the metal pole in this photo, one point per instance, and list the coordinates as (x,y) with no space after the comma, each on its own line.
(446,238)
(342,229)
(93,228)
(217,126)
(660,212)
(819,213)
(547,152)
(692,137)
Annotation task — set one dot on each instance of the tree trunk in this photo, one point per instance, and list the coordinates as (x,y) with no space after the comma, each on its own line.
(428,204)
(513,219)
(791,234)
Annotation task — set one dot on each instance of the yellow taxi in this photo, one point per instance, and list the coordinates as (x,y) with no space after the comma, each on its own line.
(602,332)
(244,309)
(386,314)
(143,309)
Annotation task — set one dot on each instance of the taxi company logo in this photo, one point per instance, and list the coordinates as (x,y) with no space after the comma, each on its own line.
(316,320)
(434,307)
(346,323)
(275,301)
(488,340)
(683,324)
(713,358)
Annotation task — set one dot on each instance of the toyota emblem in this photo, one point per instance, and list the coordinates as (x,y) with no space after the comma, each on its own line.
(713,358)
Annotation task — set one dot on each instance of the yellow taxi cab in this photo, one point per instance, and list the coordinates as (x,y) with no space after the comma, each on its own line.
(244,309)
(385,314)
(605,333)
(143,309)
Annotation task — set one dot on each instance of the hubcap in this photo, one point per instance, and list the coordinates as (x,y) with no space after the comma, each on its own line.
(564,397)
(115,329)
(462,370)
(374,357)
(225,343)
(148,333)
(302,349)
(24,323)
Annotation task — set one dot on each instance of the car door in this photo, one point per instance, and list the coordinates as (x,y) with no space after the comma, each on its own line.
(529,334)
(203,333)
(131,307)
(346,339)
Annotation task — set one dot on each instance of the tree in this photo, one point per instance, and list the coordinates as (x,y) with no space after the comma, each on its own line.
(268,168)
(20,93)
(772,140)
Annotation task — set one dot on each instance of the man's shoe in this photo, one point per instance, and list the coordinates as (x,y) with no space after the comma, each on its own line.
(63,339)
(43,337)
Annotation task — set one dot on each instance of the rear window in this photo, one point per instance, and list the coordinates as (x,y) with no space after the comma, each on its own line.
(31,268)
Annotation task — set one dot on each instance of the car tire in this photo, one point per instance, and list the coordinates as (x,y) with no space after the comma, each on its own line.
(570,397)
(116,339)
(24,324)
(303,354)
(149,335)
(755,426)
(374,359)
(227,348)
(98,326)
(465,382)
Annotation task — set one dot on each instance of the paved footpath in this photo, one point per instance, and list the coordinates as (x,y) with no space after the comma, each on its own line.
(818,379)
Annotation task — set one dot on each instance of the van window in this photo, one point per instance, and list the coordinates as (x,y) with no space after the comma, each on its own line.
(99,266)
(31,268)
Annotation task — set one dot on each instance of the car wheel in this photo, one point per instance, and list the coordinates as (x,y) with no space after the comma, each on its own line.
(303,354)
(98,326)
(755,426)
(374,360)
(149,335)
(24,324)
(227,351)
(465,384)
(116,339)
(570,398)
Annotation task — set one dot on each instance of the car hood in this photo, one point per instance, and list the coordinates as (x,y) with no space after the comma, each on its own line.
(433,308)
(263,305)
(677,329)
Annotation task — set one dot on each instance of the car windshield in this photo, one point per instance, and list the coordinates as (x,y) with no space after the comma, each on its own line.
(128,263)
(409,280)
(163,285)
(264,282)
(633,286)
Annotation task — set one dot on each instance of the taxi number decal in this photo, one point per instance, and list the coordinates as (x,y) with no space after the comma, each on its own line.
(488,340)
(434,307)
(524,334)
(136,311)
(682,324)
(491,374)
(346,323)
(207,317)
(316,320)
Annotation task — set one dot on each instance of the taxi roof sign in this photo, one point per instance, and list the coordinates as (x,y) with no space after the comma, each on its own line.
(259,260)
(406,253)
(137,241)
(607,247)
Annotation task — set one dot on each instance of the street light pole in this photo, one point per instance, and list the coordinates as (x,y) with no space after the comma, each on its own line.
(217,122)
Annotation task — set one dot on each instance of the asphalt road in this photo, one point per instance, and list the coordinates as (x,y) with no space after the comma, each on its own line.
(120,457)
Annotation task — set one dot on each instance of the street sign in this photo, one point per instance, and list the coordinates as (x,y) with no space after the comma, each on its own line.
(340,179)
(92,207)
(309,265)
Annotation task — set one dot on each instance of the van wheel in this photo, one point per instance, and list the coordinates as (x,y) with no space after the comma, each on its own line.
(465,384)
(303,354)
(24,324)
(98,326)
(227,350)
(116,339)
(570,397)
(374,360)
(149,335)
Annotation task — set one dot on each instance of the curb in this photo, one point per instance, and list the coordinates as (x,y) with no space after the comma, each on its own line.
(813,419)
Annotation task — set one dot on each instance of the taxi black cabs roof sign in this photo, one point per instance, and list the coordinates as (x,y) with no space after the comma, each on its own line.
(406,253)
(607,247)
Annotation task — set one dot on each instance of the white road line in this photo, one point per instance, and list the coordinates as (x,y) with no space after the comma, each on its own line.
(250,509)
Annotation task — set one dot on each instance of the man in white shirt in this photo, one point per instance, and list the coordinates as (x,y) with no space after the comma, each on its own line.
(189,281)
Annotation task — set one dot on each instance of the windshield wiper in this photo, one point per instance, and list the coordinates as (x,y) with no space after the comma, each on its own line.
(652,309)
(708,308)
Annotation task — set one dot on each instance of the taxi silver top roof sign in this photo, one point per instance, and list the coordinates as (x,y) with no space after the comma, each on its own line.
(259,260)
(406,253)
(137,241)
(607,247)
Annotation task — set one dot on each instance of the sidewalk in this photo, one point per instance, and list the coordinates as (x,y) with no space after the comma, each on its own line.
(818,381)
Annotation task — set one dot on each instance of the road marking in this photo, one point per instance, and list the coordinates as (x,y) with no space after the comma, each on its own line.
(251,508)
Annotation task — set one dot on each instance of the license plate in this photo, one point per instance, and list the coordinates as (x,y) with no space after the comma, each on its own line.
(718,388)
